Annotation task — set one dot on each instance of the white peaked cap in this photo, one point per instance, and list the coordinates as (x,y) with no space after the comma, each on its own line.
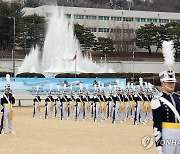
(167,76)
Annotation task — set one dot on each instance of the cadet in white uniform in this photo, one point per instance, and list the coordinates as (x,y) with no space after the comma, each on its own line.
(36,105)
(58,105)
(49,104)
(166,108)
(7,101)
(166,123)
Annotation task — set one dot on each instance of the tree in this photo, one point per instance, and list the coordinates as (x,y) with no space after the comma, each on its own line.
(32,3)
(105,45)
(85,37)
(32,31)
(7,13)
(145,36)
(150,35)
(174,34)
(123,38)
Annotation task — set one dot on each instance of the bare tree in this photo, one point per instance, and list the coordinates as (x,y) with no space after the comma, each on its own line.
(123,39)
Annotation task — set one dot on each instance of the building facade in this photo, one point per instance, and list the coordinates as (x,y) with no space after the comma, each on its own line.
(103,21)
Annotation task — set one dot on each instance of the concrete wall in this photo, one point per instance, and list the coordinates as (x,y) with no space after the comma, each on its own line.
(137,67)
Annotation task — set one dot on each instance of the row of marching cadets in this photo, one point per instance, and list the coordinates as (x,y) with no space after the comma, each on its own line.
(124,105)
(68,106)
(132,103)
(119,105)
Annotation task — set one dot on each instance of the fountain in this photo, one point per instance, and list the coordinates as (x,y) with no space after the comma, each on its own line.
(60,47)
(30,63)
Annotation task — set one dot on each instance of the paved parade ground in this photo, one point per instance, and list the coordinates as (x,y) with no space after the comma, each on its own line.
(53,136)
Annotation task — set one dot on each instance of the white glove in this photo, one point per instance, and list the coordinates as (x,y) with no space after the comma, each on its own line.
(159,150)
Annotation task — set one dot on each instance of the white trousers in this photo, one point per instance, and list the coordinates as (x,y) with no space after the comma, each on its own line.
(5,117)
(58,108)
(37,111)
(127,112)
(98,112)
(65,112)
(119,115)
(140,112)
(171,134)
(79,111)
(149,111)
(111,109)
(103,107)
(87,109)
(72,106)
(49,110)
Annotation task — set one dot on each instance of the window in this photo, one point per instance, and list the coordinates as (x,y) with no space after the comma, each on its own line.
(100,29)
(137,19)
(105,30)
(93,29)
(78,16)
(140,19)
(143,19)
(128,19)
(116,18)
(174,20)
(103,18)
(163,20)
(68,15)
(152,20)
(91,17)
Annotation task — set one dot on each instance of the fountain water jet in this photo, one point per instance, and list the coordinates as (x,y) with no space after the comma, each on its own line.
(60,47)
(30,63)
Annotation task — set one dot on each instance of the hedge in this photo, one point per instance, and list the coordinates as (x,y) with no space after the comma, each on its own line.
(30,75)
(105,75)
(3,74)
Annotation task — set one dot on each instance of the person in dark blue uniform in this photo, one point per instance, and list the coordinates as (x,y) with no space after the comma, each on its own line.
(103,105)
(131,104)
(166,110)
(49,104)
(72,104)
(140,107)
(118,114)
(80,106)
(36,104)
(65,105)
(87,105)
(110,104)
